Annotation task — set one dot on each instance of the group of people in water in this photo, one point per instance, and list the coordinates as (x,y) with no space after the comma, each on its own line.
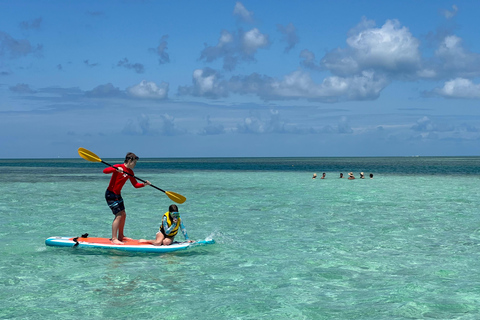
(350,176)
(171,221)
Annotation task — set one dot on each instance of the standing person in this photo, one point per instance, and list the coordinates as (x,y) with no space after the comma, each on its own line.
(362,176)
(341,175)
(371,175)
(351,176)
(171,222)
(323,176)
(314,176)
(120,174)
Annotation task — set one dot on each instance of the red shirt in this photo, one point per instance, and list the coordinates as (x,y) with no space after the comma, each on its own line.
(118,179)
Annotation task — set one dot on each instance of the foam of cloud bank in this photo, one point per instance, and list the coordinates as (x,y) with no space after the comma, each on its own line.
(149,90)
(391,48)
(296,85)
(459,88)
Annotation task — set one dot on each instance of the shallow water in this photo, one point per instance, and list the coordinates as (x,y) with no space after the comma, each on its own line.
(404,245)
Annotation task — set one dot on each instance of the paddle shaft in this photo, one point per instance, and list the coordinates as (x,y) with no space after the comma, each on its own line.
(151,185)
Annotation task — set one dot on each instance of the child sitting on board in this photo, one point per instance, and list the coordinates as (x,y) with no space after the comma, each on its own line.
(171,222)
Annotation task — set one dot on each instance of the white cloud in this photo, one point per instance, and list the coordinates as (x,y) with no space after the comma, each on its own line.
(254,40)
(242,12)
(391,48)
(233,47)
(365,86)
(206,83)
(459,88)
(149,90)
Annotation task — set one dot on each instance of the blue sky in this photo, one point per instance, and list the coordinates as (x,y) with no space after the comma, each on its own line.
(233,79)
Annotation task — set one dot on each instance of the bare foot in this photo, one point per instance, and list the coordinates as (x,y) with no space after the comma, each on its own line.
(125,238)
(116,241)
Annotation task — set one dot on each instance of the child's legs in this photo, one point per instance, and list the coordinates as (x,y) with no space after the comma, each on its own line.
(159,239)
(168,241)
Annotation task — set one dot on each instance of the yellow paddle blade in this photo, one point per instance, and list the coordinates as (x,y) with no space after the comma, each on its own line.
(88,155)
(178,198)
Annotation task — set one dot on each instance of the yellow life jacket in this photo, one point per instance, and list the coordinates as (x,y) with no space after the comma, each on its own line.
(169,222)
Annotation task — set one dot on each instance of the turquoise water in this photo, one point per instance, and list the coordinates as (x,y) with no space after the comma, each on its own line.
(404,245)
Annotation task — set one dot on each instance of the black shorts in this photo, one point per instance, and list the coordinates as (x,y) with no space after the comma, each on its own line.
(114,201)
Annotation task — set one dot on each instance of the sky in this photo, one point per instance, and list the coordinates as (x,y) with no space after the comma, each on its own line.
(239,78)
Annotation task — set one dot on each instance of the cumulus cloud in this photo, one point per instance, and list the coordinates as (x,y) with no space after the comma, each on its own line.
(234,47)
(17,48)
(391,49)
(149,90)
(161,50)
(206,83)
(459,88)
(242,13)
(138,67)
(290,36)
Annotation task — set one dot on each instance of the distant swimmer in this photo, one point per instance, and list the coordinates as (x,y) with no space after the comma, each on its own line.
(341,175)
(371,175)
(314,176)
(362,176)
(351,176)
(323,176)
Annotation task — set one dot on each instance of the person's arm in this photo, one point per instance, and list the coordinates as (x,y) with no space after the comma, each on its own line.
(108,170)
(165,225)
(135,183)
(184,231)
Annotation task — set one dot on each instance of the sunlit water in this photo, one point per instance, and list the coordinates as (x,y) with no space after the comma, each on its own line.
(403,245)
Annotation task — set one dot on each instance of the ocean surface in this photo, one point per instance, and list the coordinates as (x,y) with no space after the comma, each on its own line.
(403,245)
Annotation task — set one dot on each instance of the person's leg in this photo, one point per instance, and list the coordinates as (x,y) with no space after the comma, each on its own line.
(159,239)
(116,227)
(168,241)
(121,227)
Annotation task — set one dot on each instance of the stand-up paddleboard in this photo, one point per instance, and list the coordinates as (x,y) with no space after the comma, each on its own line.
(84,242)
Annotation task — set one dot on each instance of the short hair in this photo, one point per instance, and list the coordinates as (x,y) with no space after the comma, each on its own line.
(130,157)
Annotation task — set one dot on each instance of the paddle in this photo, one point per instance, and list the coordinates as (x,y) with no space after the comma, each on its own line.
(92,157)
